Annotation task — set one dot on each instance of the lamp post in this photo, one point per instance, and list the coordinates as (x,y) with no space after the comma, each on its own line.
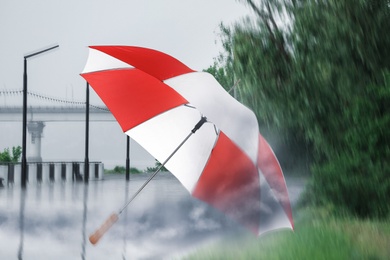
(127,158)
(24,139)
(86,161)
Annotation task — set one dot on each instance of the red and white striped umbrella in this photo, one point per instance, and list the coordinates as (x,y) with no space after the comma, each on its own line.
(158,100)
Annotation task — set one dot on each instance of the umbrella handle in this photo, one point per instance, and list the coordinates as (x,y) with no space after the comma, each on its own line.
(95,237)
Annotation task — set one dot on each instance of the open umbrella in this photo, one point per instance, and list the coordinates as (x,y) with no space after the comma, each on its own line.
(206,138)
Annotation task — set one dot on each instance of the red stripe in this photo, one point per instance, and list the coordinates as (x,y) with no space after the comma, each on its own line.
(269,166)
(133,96)
(155,63)
(230,183)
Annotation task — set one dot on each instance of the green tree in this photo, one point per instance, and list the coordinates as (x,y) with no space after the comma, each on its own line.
(221,75)
(340,49)
(6,156)
(122,170)
(156,167)
(356,177)
(343,68)
(320,76)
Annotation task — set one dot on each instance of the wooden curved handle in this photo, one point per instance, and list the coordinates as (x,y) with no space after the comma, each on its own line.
(95,237)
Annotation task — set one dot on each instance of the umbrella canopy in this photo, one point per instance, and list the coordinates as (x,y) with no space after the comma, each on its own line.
(157,100)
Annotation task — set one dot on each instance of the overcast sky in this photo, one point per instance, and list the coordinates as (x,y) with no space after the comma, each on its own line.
(186,29)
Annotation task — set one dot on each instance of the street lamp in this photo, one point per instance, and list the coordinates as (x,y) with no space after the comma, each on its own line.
(24,161)
(127,158)
(86,160)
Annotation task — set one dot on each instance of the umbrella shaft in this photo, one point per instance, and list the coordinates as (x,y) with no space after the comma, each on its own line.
(199,124)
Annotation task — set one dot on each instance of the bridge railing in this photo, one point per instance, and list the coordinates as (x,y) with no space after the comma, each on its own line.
(49,172)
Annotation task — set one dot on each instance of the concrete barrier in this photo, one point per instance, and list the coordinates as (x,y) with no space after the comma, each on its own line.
(49,172)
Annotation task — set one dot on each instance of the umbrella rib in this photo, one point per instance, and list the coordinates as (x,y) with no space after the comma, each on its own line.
(187,105)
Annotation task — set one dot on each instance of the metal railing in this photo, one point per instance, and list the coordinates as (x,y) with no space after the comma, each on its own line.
(49,172)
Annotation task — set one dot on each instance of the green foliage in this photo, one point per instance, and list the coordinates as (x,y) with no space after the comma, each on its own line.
(156,167)
(16,153)
(6,156)
(221,75)
(119,169)
(122,170)
(351,119)
(322,79)
(356,176)
(354,183)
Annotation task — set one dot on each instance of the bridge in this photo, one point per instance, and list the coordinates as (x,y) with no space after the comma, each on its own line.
(74,113)
(48,109)
(42,109)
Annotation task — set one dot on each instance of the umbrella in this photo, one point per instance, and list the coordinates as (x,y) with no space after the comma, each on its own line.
(205,137)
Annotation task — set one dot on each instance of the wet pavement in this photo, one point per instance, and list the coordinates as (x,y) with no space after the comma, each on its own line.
(54,220)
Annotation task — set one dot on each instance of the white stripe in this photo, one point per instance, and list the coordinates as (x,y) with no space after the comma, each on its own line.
(237,121)
(161,135)
(98,61)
